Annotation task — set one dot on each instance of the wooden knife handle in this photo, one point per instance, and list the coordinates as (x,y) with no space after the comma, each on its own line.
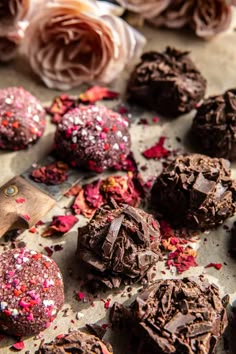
(22,205)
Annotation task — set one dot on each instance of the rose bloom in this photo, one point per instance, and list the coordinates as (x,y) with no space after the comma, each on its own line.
(146,8)
(73,42)
(177,15)
(211,17)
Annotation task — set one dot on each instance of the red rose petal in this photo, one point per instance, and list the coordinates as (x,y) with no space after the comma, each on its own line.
(157,151)
(18,346)
(60,106)
(97,93)
(20,200)
(26,217)
(217,266)
(60,224)
(52,174)
(81,295)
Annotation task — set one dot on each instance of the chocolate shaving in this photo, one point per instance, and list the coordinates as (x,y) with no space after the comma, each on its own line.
(119,245)
(214,126)
(194,328)
(195,191)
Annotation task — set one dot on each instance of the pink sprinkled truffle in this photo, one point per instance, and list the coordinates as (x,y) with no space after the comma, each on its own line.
(31,292)
(22,119)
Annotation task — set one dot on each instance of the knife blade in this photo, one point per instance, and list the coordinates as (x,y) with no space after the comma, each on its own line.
(38,198)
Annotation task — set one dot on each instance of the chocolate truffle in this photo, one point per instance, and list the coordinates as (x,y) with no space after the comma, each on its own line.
(214,126)
(175,316)
(93,137)
(119,245)
(76,342)
(167,82)
(31,292)
(195,191)
(22,118)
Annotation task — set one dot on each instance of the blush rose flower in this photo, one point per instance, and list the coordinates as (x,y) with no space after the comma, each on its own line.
(211,17)
(73,42)
(146,8)
(178,14)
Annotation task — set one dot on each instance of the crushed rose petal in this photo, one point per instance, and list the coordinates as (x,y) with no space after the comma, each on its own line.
(106,303)
(97,93)
(217,266)
(128,164)
(179,254)
(80,295)
(60,224)
(26,217)
(60,106)
(53,174)
(155,119)
(143,121)
(128,189)
(157,151)
(18,346)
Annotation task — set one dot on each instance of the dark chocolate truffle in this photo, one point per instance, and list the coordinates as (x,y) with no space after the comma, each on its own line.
(214,125)
(195,191)
(119,245)
(22,118)
(31,292)
(93,137)
(167,82)
(76,342)
(175,316)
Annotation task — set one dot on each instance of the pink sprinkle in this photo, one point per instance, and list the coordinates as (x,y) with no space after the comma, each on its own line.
(30,317)
(10,273)
(155,119)
(103,135)
(20,200)
(81,295)
(24,304)
(122,146)
(106,303)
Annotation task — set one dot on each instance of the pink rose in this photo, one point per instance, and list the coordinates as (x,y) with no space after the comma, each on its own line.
(177,15)
(211,17)
(73,42)
(146,8)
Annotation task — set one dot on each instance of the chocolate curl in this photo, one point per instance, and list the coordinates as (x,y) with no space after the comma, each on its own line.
(118,246)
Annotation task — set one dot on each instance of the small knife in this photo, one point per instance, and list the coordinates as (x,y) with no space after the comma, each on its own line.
(39,197)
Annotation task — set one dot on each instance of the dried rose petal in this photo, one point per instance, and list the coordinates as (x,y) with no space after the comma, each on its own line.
(92,194)
(18,346)
(73,191)
(97,93)
(81,206)
(157,151)
(129,164)
(211,17)
(60,224)
(60,106)
(53,174)
(217,266)
(73,42)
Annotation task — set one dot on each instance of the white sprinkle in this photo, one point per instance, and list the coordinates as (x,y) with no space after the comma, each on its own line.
(25,259)
(125,138)
(79,315)
(14,312)
(18,266)
(59,275)
(36,118)
(98,118)
(74,139)
(119,134)
(48,303)
(33,252)
(116,146)
(83,132)
(3,305)
(77,121)
(8,101)
(16,255)
(98,128)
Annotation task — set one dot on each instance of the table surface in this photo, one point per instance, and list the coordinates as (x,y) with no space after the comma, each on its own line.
(217,61)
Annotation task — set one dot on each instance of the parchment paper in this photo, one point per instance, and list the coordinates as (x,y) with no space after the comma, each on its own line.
(217,61)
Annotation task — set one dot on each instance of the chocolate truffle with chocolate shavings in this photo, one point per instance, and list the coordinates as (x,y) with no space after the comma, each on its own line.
(93,137)
(22,119)
(214,126)
(31,292)
(167,82)
(195,191)
(118,246)
(75,342)
(175,316)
